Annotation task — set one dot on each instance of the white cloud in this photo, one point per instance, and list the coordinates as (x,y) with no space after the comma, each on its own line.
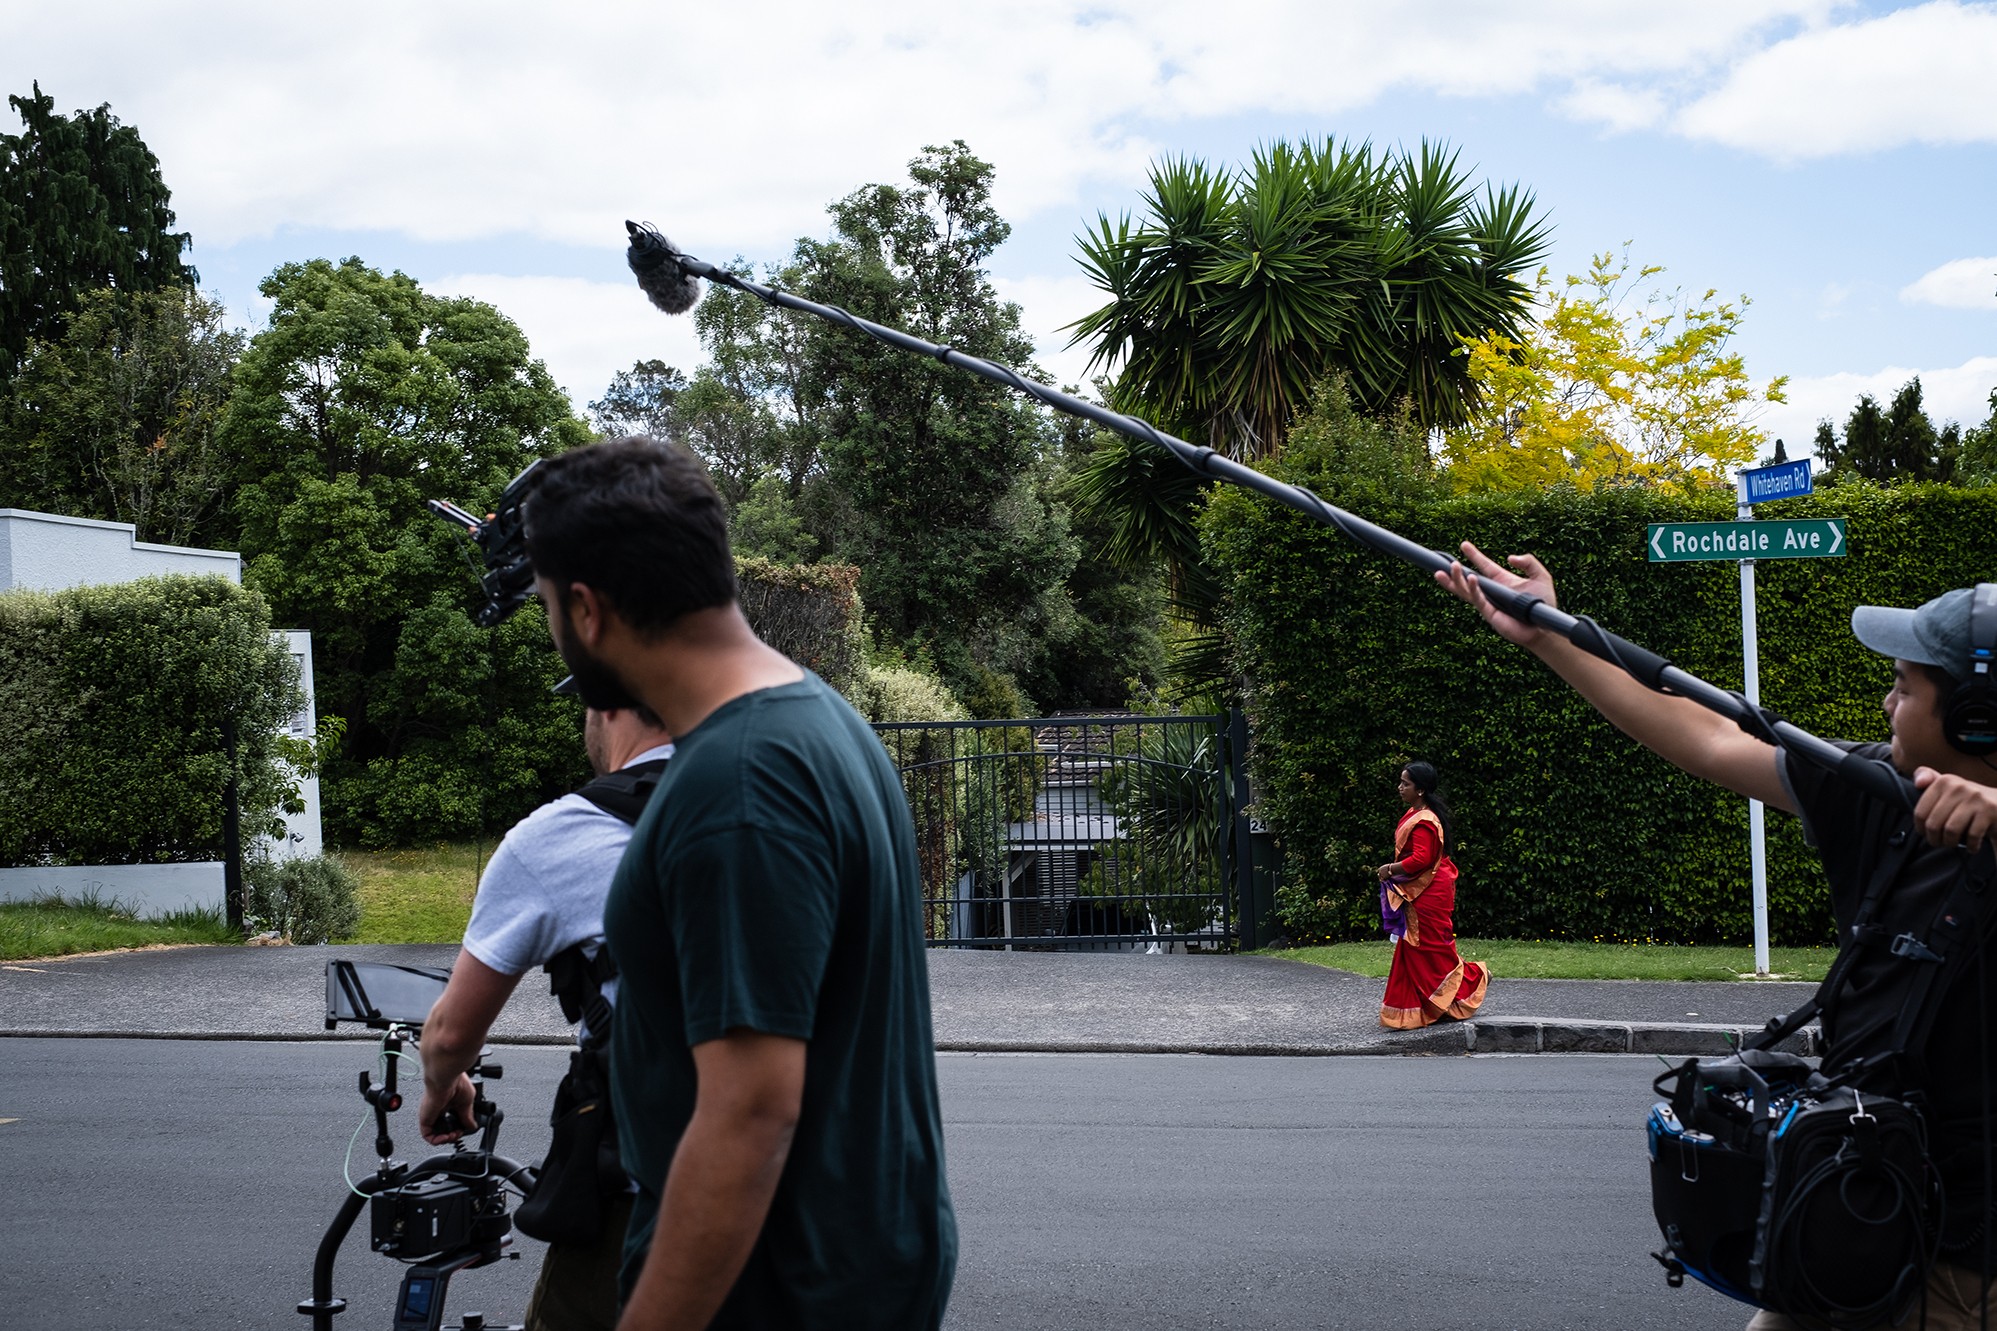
(585,331)
(1918,75)
(731,125)
(1616,107)
(1833,299)
(1959,393)
(1965,284)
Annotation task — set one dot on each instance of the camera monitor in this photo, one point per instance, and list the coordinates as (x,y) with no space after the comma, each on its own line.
(380,995)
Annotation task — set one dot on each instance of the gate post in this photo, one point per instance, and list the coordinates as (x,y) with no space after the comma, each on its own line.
(1247,910)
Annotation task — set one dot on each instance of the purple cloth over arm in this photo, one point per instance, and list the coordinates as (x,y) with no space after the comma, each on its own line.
(1393,919)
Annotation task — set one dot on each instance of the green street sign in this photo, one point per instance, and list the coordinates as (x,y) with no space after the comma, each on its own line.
(1802,538)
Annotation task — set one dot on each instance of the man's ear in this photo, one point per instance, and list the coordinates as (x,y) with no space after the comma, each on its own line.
(586,611)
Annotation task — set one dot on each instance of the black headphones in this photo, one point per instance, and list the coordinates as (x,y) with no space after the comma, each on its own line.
(1969,720)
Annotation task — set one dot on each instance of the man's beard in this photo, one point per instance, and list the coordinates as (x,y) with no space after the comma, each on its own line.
(596,683)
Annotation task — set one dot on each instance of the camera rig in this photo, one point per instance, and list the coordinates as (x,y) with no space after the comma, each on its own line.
(447,1213)
(501,536)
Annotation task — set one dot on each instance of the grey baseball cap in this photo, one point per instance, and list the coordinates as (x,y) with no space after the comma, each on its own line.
(1935,634)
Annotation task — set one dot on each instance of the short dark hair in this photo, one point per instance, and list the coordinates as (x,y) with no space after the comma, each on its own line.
(639,521)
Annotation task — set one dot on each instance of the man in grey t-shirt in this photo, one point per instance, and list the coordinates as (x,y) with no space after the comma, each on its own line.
(541,894)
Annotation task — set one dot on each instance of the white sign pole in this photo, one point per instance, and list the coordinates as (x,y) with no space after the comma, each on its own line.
(1757,837)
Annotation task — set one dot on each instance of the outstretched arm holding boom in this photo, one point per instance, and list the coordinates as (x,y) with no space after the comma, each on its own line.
(1954,808)
(1678,730)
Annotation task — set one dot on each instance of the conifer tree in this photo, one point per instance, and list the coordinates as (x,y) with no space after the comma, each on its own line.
(1899,443)
(82,207)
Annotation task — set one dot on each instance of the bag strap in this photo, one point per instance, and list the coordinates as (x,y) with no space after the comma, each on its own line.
(1887,868)
(575,977)
(1954,938)
(623,794)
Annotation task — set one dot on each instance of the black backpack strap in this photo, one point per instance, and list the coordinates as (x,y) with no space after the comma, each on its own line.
(1959,931)
(623,794)
(576,978)
(1899,852)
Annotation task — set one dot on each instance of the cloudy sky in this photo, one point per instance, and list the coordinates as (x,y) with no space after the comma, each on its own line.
(1836,163)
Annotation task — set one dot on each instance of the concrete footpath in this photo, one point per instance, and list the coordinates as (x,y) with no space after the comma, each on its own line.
(1040,1002)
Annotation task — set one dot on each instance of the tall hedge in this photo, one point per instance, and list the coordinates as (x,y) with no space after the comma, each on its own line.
(809,612)
(112,702)
(1358,663)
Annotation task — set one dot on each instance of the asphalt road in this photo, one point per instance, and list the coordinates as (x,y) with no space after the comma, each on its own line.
(162,1183)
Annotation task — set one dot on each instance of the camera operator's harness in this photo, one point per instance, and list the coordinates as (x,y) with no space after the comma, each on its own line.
(583,1168)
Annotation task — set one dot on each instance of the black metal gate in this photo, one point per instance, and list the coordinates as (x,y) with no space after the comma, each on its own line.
(1076,833)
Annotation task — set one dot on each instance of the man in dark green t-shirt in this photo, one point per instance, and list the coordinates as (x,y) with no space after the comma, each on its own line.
(772,1061)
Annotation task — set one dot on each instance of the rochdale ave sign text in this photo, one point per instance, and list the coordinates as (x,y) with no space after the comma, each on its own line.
(1787,538)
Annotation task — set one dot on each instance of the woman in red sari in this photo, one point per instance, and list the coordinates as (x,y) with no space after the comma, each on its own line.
(1428,980)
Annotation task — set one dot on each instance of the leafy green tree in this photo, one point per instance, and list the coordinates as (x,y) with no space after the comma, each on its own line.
(767,525)
(1899,443)
(1105,643)
(640,400)
(82,206)
(118,417)
(362,398)
(1978,462)
(1237,292)
(951,496)
(932,482)
(930,467)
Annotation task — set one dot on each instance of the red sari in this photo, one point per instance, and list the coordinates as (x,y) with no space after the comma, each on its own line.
(1428,981)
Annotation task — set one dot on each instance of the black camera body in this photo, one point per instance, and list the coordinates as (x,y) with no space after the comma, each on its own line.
(438,1215)
(501,536)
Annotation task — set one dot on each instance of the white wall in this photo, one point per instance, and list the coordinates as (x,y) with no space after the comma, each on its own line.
(302,839)
(49,553)
(146,889)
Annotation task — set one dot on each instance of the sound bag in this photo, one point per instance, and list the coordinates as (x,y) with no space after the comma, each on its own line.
(1812,1192)
(583,1171)
(1779,1189)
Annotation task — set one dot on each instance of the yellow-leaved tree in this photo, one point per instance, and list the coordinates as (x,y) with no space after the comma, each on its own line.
(1620,382)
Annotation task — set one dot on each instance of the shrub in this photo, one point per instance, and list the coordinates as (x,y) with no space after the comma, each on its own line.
(900,693)
(992,696)
(307,900)
(113,701)
(933,783)
(1357,664)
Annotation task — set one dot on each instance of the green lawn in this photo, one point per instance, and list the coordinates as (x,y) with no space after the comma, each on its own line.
(418,895)
(1522,960)
(53,927)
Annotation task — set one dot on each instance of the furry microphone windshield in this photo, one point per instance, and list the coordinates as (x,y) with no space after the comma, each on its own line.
(655,261)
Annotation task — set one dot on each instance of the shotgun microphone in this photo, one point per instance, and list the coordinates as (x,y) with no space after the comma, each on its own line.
(655,262)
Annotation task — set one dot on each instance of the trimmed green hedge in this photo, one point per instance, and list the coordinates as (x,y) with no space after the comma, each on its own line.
(809,612)
(112,701)
(1358,663)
